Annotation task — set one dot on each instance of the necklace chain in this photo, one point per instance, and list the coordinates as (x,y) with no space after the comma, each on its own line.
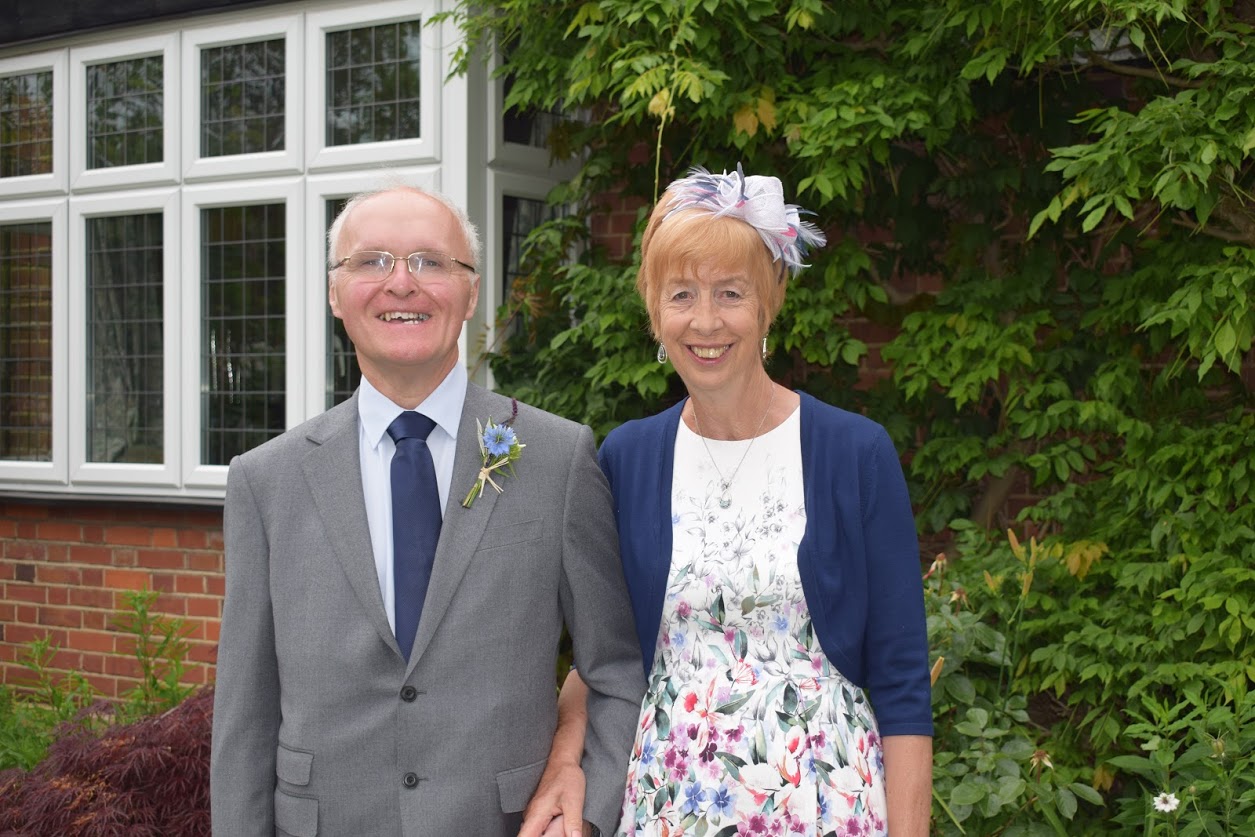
(725,484)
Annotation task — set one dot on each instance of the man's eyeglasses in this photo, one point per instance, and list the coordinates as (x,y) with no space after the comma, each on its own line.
(376,265)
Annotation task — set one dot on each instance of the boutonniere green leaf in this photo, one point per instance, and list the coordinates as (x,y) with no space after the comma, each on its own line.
(499,449)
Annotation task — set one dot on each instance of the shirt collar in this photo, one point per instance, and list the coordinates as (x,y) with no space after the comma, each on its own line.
(444,406)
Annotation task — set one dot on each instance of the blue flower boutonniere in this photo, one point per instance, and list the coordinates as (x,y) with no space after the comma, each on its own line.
(499,449)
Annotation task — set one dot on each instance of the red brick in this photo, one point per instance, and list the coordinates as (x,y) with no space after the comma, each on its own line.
(59,532)
(91,554)
(161,559)
(128,535)
(94,663)
(62,617)
(39,510)
(206,562)
(66,659)
(204,606)
(8,612)
(216,585)
(163,582)
(202,652)
(59,552)
(213,631)
(122,666)
(95,620)
(21,634)
(127,579)
(25,593)
(96,641)
(25,550)
(106,686)
(59,595)
(26,613)
(189,584)
(165,537)
(92,577)
(170,604)
(213,540)
(8,529)
(123,557)
(93,534)
(58,575)
(192,539)
(26,530)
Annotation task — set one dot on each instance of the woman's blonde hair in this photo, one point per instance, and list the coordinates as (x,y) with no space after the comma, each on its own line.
(685,241)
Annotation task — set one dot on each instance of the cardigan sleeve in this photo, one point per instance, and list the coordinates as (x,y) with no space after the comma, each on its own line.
(896,639)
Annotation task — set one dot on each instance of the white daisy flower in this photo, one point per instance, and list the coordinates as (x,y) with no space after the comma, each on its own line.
(1166,802)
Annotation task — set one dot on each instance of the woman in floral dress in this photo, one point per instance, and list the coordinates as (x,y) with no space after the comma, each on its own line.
(771,557)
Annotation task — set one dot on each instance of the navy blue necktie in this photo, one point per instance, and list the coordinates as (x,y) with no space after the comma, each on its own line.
(415,521)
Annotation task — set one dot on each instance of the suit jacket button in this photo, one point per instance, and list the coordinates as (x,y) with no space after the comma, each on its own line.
(408,694)
(410,780)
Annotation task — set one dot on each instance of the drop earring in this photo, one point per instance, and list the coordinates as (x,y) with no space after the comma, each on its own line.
(662,353)
(764,347)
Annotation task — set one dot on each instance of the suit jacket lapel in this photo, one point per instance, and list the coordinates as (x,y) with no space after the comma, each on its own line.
(333,471)
(462,528)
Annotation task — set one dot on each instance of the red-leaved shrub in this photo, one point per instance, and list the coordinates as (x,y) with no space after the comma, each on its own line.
(150,777)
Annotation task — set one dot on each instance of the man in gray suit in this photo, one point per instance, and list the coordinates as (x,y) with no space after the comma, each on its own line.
(327,719)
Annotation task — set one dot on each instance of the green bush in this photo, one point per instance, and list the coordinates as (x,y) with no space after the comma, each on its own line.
(50,705)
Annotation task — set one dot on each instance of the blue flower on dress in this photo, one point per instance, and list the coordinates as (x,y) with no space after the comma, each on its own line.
(498,439)
(694,796)
(647,751)
(721,801)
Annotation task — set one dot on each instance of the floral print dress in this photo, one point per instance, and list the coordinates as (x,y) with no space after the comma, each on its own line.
(747,728)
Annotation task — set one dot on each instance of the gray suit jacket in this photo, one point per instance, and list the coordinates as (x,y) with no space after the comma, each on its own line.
(320,726)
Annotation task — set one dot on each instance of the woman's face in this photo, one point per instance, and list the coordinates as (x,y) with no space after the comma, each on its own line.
(709,322)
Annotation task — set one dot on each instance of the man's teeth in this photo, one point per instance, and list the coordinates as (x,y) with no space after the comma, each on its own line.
(709,353)
(405,316)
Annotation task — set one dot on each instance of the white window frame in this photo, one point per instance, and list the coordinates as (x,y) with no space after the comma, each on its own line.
(53,471)
(500,185)
(142,174)
(318,190)
(82,472)
(425,149)
(287,161)
(53,182)
(296,288)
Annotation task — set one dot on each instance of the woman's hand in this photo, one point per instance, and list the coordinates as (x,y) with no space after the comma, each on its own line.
(557,807)
(559,800)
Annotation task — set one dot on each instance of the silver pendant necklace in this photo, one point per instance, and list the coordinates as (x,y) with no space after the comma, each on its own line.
(725,484)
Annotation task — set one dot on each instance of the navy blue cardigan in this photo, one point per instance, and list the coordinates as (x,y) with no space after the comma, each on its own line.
(858,559)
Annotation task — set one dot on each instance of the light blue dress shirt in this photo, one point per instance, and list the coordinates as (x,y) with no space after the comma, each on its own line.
(375,449)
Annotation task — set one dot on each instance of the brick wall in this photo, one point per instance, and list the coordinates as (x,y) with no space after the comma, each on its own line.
(65,568)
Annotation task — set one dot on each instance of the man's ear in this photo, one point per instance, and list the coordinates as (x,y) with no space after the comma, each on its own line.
(473,300)
(332,297)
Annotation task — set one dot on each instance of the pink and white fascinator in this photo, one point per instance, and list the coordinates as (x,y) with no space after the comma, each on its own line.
(758,200)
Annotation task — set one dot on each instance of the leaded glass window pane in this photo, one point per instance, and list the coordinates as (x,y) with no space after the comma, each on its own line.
(242,104)
(373,83)
(26,124)
(243,360)
(26,341)
(529,127)
(343,373)
(124,339)
(124,112)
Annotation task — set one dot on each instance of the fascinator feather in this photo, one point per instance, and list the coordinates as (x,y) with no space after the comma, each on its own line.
(758,200)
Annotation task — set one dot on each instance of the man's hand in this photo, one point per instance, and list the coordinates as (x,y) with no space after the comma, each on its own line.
(557,808)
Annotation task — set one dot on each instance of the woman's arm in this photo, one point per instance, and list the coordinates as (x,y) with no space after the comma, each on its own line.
(908,783)
(559,797)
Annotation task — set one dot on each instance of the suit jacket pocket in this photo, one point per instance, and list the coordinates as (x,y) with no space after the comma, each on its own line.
(296,815)
(510,533)
(518,784)
(293,766)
